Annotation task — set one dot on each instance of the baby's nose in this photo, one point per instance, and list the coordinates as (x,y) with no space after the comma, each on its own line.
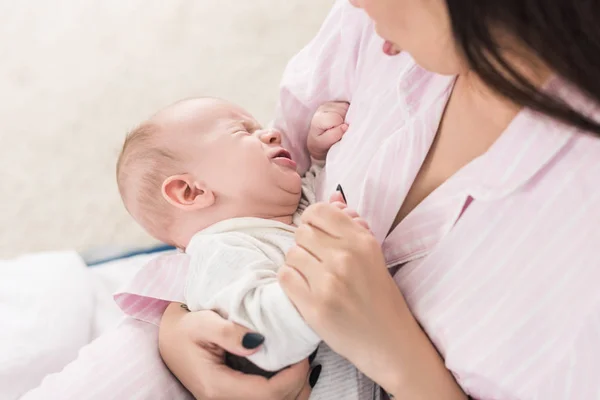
(270,137)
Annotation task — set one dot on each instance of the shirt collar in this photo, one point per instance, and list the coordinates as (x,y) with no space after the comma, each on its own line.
(530,143)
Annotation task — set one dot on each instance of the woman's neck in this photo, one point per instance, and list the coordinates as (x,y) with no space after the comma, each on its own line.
(492,111)
(497,108)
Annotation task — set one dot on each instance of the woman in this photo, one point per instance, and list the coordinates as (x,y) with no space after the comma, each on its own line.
(473,154)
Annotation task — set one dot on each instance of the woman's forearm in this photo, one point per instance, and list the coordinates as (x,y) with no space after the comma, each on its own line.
(166,340)
(421,374)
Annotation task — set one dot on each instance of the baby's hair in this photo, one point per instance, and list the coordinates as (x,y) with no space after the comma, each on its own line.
(142,167)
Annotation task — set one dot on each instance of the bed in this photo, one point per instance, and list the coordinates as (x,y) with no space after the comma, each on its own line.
(52,304)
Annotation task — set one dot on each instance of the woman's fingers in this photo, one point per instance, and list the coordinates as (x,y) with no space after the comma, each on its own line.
(194,355)
(337,198)
(329,219)
(295,286)
(311,382)
(220,382)
(348,211)
(225,334)
(305,393)
(311,244)
(297,289)
(289,383)
(362,223)
(340,205)
(313,247)
(351,213)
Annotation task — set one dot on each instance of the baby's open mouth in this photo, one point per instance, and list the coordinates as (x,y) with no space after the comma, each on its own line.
(283,158)
(283,154)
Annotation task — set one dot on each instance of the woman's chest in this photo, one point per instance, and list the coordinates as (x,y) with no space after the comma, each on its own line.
(392,126)
(505,293)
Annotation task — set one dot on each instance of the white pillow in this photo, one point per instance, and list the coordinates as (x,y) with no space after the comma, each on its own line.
(47,306)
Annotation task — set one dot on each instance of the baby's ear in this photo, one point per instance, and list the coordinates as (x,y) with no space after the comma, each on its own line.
(187,194)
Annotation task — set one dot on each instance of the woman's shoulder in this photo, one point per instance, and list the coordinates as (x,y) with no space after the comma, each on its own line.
(582,161)
(579,161)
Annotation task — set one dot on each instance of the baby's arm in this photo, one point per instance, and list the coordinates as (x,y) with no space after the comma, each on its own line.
(326,129)
(230,275)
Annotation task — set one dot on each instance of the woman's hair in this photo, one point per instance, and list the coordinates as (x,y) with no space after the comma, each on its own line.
(563,34)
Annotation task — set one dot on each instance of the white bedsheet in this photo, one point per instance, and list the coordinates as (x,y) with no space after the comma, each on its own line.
(52,304)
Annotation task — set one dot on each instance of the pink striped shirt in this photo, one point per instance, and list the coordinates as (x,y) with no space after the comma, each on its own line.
(500,264)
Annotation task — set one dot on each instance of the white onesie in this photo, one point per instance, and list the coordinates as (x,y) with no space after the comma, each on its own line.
(233,270)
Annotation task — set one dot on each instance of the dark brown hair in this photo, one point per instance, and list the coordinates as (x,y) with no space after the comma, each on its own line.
(563,34)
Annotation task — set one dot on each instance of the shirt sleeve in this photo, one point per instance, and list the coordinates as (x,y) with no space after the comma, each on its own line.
(229,275)
(323,71)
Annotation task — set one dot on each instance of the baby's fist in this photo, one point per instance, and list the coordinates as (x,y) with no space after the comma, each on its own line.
(327,128)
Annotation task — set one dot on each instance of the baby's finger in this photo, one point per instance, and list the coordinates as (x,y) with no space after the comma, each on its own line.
(329,120)
(336,106)
(333,135)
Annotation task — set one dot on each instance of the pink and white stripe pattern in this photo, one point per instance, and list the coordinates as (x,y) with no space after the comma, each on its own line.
(500,265)
(147,296)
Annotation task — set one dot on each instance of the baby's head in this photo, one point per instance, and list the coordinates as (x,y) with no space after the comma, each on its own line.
(201,161)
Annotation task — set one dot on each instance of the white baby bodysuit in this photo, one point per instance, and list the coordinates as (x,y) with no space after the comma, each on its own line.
(233,270)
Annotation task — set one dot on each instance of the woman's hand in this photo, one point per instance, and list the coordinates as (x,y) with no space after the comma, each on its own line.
(193,344)
(337,277)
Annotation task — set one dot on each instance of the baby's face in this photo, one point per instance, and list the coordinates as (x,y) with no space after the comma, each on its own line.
(225,148)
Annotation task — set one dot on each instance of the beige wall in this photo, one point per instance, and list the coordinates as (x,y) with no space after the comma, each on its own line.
(76,75)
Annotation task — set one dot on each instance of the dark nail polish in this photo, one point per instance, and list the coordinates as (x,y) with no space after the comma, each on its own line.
(312,357)
(314,376)
(185,307)
(339,189)
(252,340)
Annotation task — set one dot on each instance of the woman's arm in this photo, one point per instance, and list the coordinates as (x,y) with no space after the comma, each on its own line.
(337,277)
(418,371)
(323,71)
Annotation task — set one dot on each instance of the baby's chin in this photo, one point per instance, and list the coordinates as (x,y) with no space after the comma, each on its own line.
(287,197)
(295,186)
(288,194)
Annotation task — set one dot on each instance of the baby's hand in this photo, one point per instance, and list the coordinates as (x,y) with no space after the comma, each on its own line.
(327,128)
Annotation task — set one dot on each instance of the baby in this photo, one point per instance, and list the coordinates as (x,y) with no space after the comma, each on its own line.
(204,176)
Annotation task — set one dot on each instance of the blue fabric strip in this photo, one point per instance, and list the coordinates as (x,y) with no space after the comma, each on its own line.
(155,249)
